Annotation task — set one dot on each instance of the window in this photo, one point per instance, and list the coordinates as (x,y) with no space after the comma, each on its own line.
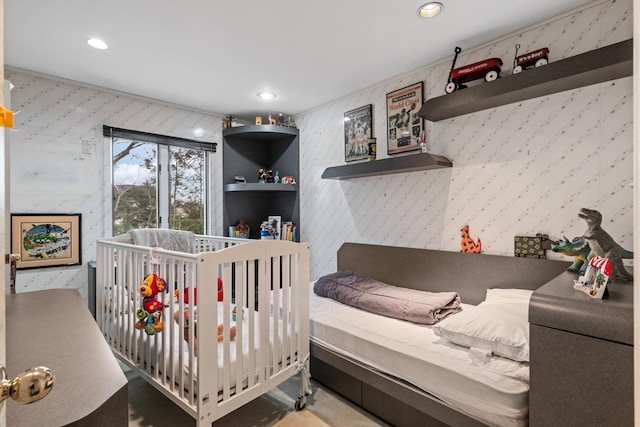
(158,182)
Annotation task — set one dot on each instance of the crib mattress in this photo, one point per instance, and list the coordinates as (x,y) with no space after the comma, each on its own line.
(493,390)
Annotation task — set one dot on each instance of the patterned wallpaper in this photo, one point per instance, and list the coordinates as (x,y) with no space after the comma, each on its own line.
(51,172)
(519,169)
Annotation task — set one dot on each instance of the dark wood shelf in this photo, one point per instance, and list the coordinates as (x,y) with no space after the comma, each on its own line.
(268,186)
(260,133)
(409,163)
(597,66)
(246,150)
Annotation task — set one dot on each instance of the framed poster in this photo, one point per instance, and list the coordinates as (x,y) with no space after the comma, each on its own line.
(46,240)
(403,123)
(358,126)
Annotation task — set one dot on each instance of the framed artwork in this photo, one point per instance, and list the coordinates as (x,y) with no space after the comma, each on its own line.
(46,240)
(358,128)
(403,123)
(276,223)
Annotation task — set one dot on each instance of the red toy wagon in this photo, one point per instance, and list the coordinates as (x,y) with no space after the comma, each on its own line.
(536,58)
(489,69)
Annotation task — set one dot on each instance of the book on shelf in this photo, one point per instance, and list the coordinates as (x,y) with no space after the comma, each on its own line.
(289,231)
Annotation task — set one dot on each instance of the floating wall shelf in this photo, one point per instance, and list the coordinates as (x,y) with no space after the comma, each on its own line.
(597,66)
(268,186)
(410,163)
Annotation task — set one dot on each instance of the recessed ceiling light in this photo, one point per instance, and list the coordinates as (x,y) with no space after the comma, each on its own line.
(430,10)
(198,132)
(97,43)
(266,96)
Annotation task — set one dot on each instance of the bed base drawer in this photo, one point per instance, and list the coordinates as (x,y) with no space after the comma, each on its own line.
(389,399)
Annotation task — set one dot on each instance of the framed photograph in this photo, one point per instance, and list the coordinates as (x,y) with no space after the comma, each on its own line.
(275,221)
(46,240)
(358,128)
(403,123)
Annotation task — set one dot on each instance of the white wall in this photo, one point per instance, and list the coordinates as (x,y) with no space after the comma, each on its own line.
(518,169)
(50,173)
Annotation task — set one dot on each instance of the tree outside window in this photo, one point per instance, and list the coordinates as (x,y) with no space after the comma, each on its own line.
(140,190)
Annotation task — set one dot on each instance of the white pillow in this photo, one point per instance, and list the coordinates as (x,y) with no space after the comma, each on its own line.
(515,296)
(500,324)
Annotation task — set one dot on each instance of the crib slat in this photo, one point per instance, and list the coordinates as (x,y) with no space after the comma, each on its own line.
(251,317)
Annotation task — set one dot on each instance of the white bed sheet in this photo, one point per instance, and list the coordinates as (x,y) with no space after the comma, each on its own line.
(493,390)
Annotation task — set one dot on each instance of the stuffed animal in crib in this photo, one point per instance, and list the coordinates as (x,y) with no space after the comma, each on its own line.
(185,313)
(195,293)
(467,244)
(149,316)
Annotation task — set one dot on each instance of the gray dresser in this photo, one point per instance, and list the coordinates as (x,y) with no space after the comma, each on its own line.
(581,356)
(53,328)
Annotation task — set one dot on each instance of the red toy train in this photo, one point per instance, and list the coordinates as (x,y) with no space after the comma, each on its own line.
(489,69)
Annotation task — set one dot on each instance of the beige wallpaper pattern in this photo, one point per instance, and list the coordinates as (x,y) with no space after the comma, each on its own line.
(518,169)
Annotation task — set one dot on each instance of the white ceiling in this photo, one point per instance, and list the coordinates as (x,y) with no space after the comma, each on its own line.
(215,56)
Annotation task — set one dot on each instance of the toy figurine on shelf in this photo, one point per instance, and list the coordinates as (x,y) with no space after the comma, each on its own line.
(276,178)
(265,175)
(267,231)
(289,122)
(228,121)
(288,180)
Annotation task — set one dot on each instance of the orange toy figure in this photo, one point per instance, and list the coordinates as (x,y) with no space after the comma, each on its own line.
(176,316)
(467,244)
(149,316)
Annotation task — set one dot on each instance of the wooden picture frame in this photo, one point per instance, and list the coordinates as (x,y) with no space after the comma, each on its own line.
(46,240)
(358,128)
(404,126)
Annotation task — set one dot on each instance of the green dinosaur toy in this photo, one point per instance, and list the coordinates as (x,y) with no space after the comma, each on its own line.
(577,248)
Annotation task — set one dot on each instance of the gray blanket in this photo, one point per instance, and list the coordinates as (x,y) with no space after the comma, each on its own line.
(170,240)
(376,297)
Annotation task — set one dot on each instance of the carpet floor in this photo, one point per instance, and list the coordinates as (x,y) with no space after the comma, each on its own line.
(149,407)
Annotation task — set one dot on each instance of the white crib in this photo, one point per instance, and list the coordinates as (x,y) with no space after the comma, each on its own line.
(266,281)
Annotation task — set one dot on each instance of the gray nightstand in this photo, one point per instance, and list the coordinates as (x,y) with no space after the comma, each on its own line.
(581,356)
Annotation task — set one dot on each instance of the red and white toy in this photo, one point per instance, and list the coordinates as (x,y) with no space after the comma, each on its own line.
(195,293)
(489,69)
(536,58)
(149,316)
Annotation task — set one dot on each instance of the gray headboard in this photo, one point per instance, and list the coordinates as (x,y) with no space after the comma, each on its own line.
(468,274)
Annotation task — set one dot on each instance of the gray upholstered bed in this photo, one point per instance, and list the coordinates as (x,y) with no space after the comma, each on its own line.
(394,400)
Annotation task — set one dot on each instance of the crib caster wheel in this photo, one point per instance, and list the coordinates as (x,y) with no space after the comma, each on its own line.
(301,403)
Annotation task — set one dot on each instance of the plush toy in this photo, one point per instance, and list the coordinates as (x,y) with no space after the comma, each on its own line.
(195,293)
(185,313)
(149,316)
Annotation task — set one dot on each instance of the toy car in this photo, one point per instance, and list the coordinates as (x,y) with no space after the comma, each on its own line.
(489,69)
(536,58)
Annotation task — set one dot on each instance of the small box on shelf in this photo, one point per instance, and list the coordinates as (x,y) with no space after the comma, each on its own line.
(240,230)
